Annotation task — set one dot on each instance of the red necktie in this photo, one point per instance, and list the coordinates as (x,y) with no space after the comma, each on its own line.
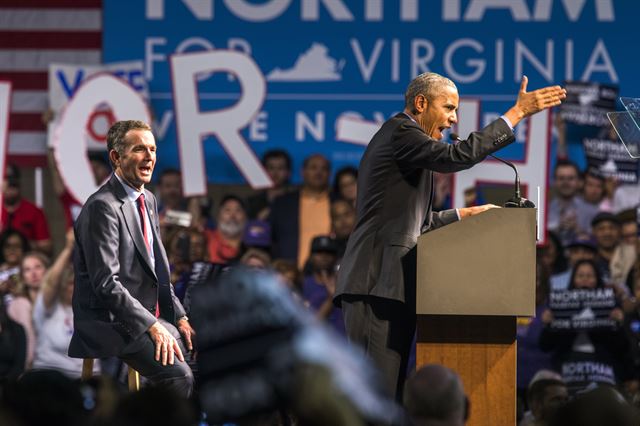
(143,221)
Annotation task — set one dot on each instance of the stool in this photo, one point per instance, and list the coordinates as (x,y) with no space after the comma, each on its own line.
(132,375)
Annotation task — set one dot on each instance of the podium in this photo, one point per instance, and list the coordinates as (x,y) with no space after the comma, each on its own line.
(474,278)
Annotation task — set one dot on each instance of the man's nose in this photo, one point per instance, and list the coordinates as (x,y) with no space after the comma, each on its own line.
(454,118)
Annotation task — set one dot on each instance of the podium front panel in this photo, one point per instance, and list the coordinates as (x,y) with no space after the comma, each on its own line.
(481,265)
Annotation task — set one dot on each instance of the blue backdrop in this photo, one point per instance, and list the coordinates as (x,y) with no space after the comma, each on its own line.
(324,58)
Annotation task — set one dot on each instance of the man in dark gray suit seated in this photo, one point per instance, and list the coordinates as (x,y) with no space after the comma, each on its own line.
(123,302)
(377,277)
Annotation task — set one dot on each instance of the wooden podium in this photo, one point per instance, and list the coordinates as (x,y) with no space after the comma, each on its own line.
(474,278)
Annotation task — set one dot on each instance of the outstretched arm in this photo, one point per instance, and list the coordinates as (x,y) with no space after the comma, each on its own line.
(529,103)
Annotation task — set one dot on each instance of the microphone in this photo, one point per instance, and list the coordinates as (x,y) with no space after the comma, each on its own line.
(517,201)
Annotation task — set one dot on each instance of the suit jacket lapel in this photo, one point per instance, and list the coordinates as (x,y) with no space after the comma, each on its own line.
(129,211)
(130,214)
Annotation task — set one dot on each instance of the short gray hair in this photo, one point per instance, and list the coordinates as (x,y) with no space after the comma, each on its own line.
(428,84)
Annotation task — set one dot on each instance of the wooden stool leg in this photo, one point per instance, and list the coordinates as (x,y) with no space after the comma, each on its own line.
(134,380)
(87,368)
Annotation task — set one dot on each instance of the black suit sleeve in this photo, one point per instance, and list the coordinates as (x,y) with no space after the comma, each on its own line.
(412,148)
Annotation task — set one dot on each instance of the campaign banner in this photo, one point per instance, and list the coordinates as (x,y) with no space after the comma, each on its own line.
(64,81)
(590,140)
(587,103)
(609,158)
(580,370)
(582,309)
(334,70)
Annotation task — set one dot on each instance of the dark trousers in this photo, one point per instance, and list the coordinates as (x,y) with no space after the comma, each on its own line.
(385,329)
(140,355)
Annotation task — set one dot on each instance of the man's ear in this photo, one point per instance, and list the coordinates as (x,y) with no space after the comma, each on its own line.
(420,103)
(114,157)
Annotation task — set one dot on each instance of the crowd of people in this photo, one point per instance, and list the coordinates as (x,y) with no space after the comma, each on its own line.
(300,233)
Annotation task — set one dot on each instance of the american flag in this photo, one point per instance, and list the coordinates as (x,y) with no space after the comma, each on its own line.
(33,34)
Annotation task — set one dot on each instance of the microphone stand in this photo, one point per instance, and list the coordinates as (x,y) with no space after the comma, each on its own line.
(517,201)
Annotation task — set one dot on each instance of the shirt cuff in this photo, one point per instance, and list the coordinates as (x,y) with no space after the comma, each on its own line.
(506,120)
(458,214)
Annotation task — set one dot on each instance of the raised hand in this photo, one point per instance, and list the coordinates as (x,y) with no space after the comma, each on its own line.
(529,103)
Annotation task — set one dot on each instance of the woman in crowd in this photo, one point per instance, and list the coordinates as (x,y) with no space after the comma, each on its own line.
(53,316)
(13,246)
(605,349)
(32,270)
(552,256)
(345,184)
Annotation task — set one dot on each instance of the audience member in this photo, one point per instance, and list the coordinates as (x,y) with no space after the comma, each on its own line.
(434,396)
(568,215)
(170,195)
(53,317)
(185,246)
(605,228)
(277,163)
(578,249)
(600,406)
(603,351)
(289,275)
(224,244)
(154,406)
(629,226)
(300,215)
(259,350)
(256,258)
(345,184)
(20,309)
(319,283)
(343,220)
(593,192)
(13,247)
(258,235)
(625,253)
(545,397)
(552,255)
(174,210)
(23,215)
(44,398)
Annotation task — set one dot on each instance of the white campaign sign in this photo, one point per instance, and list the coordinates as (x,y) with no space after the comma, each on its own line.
(69,135)
(64,81)
(5,102)
(225,124)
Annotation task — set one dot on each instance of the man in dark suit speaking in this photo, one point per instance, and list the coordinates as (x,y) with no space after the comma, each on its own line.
(377,277)
(123,301)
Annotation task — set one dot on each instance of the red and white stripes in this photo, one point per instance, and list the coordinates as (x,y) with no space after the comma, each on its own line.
(34,34)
